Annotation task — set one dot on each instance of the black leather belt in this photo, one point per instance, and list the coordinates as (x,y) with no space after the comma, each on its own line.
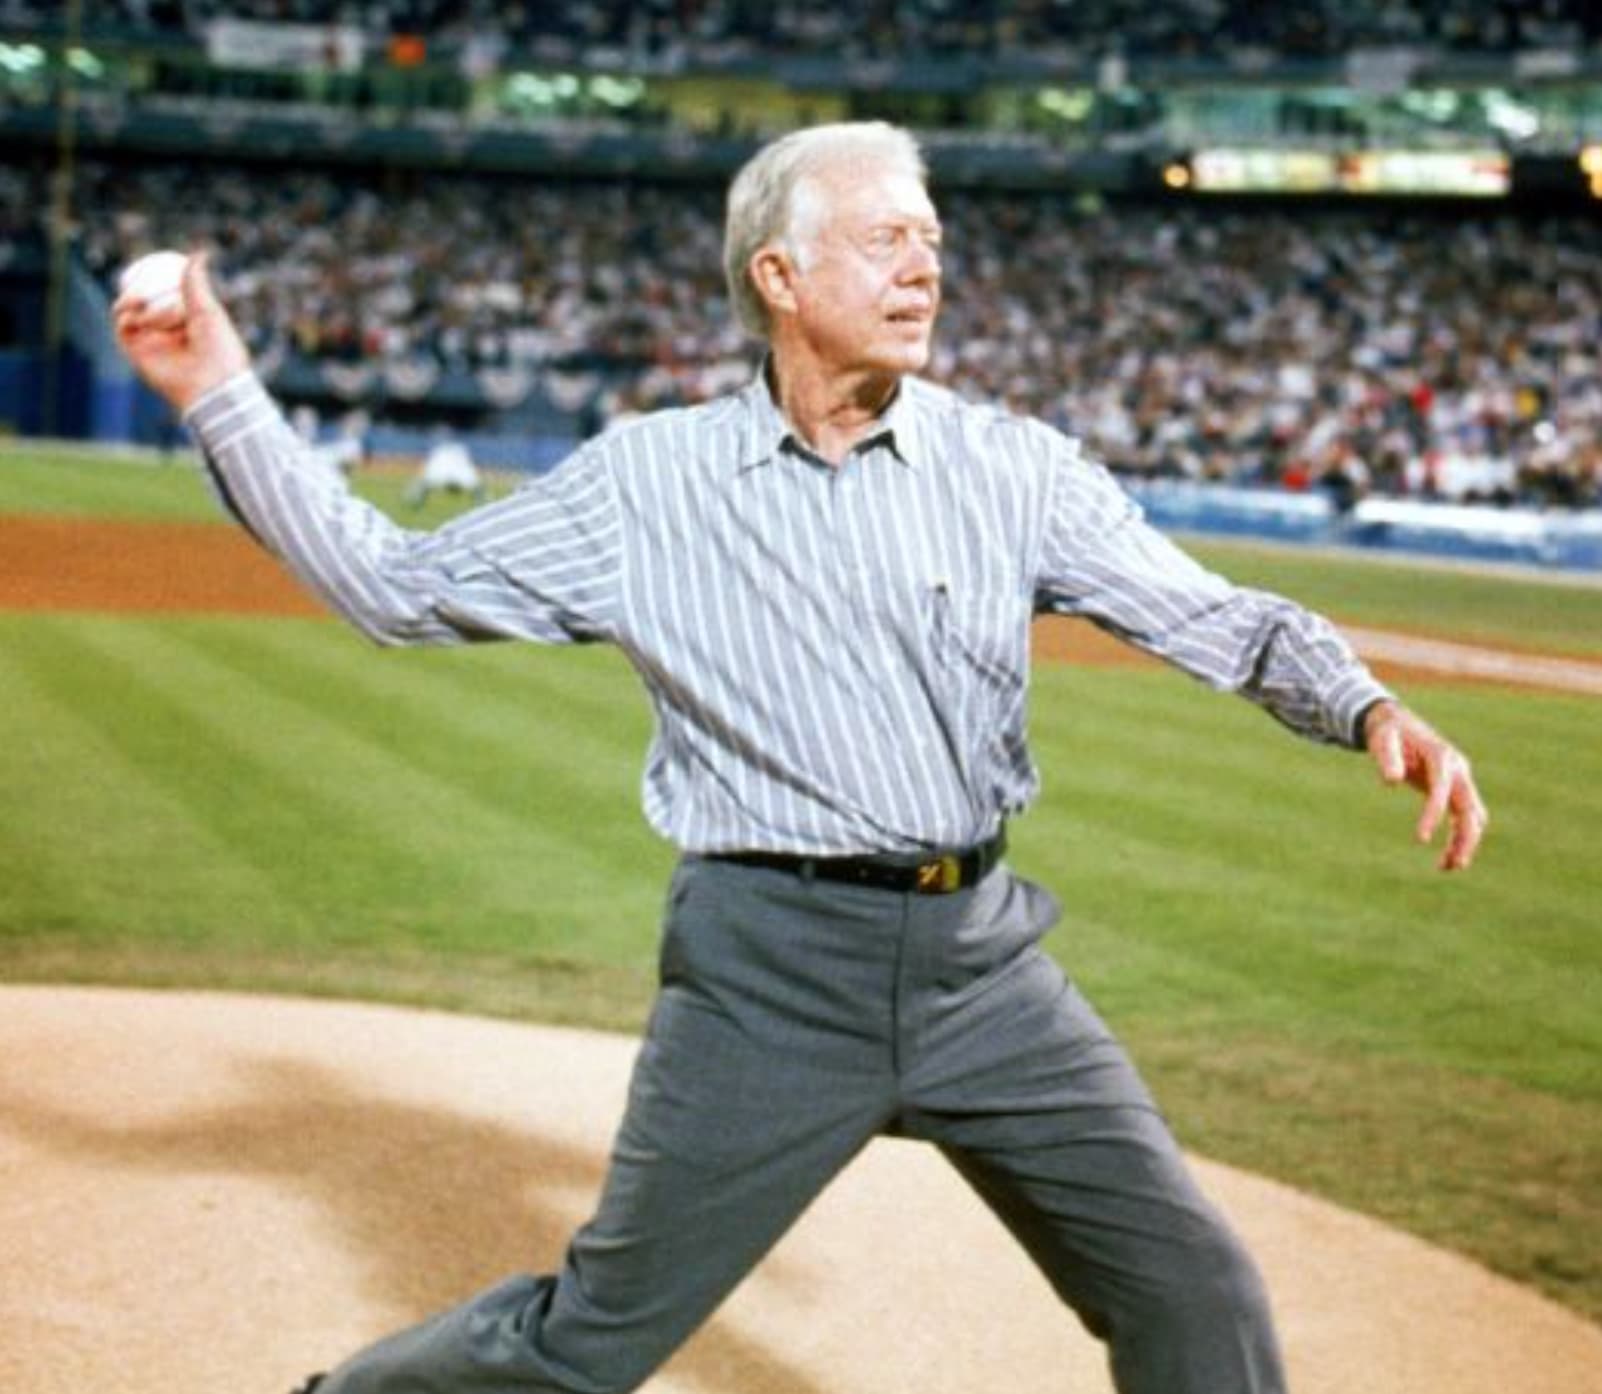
(940,873)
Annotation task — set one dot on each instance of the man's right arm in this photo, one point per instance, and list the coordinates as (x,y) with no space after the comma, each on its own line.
(542,564)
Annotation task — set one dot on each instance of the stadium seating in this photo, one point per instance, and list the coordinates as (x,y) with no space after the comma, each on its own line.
(1351,350)
(885,27)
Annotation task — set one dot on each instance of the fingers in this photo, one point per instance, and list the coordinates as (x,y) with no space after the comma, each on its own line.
(1438,786)
(199,295)
(1382,733)
(143,336)
(1388,754)
(132,315)
(1450,792)
(215,339)
(1406,749)
(1469,821)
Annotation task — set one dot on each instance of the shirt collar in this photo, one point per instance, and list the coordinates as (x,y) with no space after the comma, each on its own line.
(767,432)
(903,425)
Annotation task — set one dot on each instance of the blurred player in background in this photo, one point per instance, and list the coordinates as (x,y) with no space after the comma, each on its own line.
(344,451)
(448,468)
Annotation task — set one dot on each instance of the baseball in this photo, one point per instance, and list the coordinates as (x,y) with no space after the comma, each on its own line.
(157,279)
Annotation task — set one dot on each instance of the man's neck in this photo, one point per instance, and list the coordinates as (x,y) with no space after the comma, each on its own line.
(831,413)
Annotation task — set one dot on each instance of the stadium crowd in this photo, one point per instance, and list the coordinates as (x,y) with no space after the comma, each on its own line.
(887,28)
(1358,351)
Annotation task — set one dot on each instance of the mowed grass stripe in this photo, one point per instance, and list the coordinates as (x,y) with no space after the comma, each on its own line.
(1420,1047)
(1308,907)
(1327,929)
(196,762)
(1174,748)
(522,805)
(83,484)
(1553,612)
(89,483)
(578,716)
(1509,1175)
(335,818)
(555,747)
(488,696)
(98,842)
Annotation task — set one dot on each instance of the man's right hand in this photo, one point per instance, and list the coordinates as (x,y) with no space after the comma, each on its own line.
(186,360)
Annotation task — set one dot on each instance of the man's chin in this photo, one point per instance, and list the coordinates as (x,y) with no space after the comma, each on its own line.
(908,357)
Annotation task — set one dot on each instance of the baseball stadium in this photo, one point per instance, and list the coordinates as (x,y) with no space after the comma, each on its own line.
(325,966)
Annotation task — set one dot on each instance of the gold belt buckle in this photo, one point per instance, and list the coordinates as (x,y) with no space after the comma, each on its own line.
(941,876)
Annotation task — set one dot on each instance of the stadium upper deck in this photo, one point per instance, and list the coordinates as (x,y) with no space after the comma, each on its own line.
(881,28)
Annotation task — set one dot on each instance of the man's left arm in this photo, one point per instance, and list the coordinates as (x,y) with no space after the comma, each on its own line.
(1101,560)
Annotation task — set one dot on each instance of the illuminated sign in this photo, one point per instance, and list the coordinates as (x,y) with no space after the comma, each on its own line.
(1471,173)
(1455,173)
(1263,171)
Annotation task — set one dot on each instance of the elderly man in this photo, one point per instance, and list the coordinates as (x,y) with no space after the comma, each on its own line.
(826,583)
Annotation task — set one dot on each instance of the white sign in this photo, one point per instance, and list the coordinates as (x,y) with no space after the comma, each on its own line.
(243,43)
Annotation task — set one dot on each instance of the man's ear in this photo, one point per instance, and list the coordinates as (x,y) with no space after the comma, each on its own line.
(773,273)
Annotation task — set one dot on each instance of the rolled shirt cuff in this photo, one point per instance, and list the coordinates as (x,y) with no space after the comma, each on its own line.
(1351,701)
(237,407)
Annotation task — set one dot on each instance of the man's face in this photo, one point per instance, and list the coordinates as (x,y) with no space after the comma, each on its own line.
(867,286)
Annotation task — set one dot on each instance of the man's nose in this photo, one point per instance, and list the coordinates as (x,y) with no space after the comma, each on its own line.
(922,262)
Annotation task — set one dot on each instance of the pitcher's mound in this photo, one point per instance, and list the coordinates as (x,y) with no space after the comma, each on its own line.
(217,1194)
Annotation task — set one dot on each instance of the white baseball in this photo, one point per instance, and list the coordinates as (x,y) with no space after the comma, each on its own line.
(157,279)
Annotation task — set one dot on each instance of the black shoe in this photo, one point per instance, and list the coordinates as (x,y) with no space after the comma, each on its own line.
(309,1384)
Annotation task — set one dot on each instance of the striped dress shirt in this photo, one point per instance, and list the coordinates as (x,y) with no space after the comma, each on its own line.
(837,656)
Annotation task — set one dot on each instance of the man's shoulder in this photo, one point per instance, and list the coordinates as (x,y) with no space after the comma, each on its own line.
(985,423)
(668,428)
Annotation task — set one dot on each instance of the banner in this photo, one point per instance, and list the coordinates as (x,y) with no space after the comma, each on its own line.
(243,43)
(506,386)
(349,382)
(411,379)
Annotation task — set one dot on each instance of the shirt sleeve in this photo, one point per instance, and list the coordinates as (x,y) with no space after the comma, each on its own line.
(542,564)
(1103,562)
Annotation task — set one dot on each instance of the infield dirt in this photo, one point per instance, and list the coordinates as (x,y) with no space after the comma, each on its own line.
(149,567)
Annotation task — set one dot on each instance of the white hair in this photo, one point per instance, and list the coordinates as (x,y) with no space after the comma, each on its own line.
(768,197)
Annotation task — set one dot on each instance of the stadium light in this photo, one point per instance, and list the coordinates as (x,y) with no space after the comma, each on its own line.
(1514,119)
(1067,104)
(617,92)
(21,58)
(85,64)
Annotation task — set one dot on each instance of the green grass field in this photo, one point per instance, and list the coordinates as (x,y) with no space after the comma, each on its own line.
(275,805)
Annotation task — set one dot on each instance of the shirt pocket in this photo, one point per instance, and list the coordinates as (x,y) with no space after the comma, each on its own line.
(980,638)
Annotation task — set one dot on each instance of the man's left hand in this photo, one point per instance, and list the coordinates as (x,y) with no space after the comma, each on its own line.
(1408,750)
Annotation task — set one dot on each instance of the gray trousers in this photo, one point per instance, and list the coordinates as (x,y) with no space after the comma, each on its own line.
(798,1019)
